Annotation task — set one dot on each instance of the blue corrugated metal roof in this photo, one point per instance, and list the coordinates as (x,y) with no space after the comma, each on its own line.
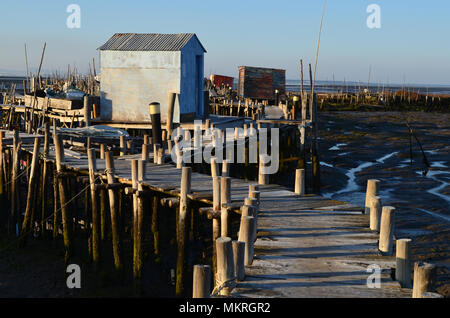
(148,42)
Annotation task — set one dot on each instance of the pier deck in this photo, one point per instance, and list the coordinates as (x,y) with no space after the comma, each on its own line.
(307,246)
(306,249)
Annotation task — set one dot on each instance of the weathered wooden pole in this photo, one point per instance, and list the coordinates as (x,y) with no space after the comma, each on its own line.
(201,281)
(225,198)
(214,167)
(27,221)
(403,268)
(373,188)
(155,114)
(102,151)
(139,219)
(300,181)
(215,221)
(246,235)
(387,230)
(14,216)
(239,259)
(102,198)
(87,111)
(155,225)
(134,186)
(170,110)
(55,204)
(182,222)
(122,145)
(67,228)
(263,178)
(375,212)
(225,266)
(115,223)
(46,138)
(424,279)
(145,151)
(225,168)
(95,237)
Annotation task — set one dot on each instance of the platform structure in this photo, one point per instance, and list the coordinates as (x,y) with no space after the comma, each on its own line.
(307,246)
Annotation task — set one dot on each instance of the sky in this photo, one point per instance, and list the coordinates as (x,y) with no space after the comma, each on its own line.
(412,45)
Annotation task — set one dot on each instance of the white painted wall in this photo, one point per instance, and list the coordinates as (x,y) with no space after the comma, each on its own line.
(130,80)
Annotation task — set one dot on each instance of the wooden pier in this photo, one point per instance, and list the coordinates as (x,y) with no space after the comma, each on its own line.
(306,246)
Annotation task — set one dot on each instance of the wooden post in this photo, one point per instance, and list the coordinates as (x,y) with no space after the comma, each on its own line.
(87,111)
(155,225)
(201,281)
(373,187)
(103,204)
(387,230)
(134,185)
(46,138)
(263,178)
(424,278)
(225,187)
(225,167)
(27,221)
(130,146)
(375,213)
(115,224)
(403,268)
(145,151)
(246,231)
(215,222)
(225,266)
(102,151)
(122,145)
(214,167)
(170,109)
(95,237)
(239,259)
(182,221)
(138,222)
(67,233)
(155,114)
(225,198)
(300,181)
(14,217)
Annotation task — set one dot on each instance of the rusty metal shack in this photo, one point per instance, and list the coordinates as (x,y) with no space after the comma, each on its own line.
(261,83)
(137,69)
(221,80)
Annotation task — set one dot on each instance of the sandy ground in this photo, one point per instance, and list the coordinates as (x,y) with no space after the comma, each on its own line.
(356,146)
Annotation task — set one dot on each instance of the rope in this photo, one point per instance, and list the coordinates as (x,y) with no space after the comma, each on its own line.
(22,235)
(231,283)
(20,174)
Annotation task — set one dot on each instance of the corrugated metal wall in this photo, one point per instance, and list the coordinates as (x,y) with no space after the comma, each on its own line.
(221,80)
(260,83)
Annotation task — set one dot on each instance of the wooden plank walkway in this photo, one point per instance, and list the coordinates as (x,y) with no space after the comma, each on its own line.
(305,249)
(307,246)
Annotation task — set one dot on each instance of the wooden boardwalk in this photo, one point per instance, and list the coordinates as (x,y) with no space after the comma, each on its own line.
(307,246)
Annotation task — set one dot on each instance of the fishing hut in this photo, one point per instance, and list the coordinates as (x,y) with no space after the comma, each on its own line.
(261,83)
(140,68)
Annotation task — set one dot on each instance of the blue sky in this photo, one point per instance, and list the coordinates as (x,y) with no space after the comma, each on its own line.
(413,42)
